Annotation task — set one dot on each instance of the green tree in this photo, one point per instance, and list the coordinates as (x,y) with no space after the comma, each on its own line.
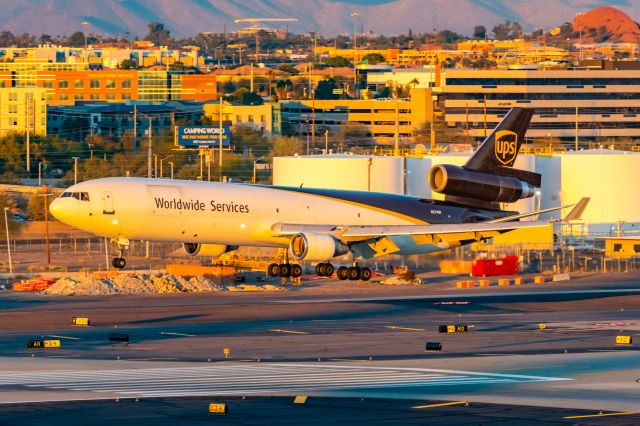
(373,58)
(35,205)
(284,146)
(246,137)
(76,39)
(325,89)
(158,33)
(479,32)
(502,31)
(338,62)
(288,68)
(128,64)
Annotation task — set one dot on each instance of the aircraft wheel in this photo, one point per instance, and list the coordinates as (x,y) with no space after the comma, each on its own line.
(118,262)
(365,274)
(273,270)
(328,269)
(354,273)
(320,267)
(343,273)
(285,270)
(296,270)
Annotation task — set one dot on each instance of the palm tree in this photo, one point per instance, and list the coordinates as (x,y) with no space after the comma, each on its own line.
(415,82)
(270,74)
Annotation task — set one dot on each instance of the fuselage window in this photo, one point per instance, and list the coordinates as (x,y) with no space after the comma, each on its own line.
(66,195)
(84,196)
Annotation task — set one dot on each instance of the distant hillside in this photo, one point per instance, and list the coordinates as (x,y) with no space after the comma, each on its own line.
(606,24)
(330,17)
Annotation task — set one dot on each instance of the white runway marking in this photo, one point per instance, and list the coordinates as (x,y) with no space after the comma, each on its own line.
(235,379)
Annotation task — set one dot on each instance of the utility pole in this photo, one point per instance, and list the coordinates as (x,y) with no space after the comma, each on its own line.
(251,78)
(326,141)
(75,170)
(149,152)
(6,224)
(576,128)
(46,223)
(220,134)
(485,116)
(28,107)
(396,136)
(313,119)
(135,129)
(432,125)
(354,15)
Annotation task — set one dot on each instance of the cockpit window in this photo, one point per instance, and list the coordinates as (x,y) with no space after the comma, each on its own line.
(82,196)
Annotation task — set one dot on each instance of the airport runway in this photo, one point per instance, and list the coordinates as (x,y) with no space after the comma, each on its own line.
(358,343)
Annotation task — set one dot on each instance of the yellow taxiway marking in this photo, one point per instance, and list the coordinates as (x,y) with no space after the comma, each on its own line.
(396,327)
(443,404)
(63,337)
(278,330)
(177,334)
(600,415)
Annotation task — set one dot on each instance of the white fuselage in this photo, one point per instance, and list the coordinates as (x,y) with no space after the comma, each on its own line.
(204,212)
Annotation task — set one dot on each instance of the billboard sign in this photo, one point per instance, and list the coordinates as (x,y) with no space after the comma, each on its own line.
(203,136)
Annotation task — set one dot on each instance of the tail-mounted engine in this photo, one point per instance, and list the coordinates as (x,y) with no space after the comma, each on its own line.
(476,185)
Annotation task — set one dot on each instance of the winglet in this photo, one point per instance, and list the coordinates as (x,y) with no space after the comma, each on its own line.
(576,212)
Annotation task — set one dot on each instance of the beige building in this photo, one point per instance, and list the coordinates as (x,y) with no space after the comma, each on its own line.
(22,109)
(261,117)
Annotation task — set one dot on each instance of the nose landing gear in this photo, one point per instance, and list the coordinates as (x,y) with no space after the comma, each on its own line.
(119,262)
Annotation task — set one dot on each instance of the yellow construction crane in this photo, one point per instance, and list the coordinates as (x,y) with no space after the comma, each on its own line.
(255,29)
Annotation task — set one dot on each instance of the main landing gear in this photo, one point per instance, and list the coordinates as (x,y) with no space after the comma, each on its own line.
(284,270)
(354,273)
(324,269)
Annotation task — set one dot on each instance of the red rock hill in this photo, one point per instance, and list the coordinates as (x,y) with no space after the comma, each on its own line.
(618,26)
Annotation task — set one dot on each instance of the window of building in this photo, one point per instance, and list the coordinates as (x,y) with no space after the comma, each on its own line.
(63,97)
(13,96)
(126,96)
(94,96)
(43,108)
(617,248)
(250,119)
(238,119)
(262,119)
(79,84)
(94,84)
(78,97)
(63,84)
(636,248)
(43,121)
(126,84)
(49,97)
(14,122)
(47,84)
(13,109)
(111,84)
(111,97)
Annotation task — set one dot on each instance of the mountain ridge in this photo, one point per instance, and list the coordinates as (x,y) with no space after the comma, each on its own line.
(328,17)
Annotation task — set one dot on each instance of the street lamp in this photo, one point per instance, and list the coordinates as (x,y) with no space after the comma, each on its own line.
(40,164)
(171,163)
(161,160)
(354,15)
(254,167)
(75,170)
(579,16)
(85,24)
(6,226)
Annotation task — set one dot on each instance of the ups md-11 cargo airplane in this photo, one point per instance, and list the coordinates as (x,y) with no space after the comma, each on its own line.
(212,218)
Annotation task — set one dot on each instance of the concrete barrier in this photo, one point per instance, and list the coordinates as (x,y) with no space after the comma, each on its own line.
(504,281)
(539,279)
(465,284)
(484,283)
(561,277)
(518,281)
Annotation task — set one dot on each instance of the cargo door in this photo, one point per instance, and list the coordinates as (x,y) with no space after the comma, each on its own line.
(107,198)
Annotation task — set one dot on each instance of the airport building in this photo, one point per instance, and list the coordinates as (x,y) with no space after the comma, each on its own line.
(66,84)
(264,118)
(608,177)
(382,119)
(590,105)
(22,109)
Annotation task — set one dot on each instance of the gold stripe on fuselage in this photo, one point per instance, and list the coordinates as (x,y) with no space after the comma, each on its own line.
(408,218)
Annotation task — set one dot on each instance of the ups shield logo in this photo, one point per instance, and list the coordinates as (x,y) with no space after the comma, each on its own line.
(506,147)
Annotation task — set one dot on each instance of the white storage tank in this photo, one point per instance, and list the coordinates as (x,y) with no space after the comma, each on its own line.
(341,171)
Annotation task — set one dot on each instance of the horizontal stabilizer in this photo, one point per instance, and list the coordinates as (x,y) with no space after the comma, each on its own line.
(576,212)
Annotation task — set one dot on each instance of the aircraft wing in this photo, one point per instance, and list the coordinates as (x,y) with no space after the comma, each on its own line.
(365,232)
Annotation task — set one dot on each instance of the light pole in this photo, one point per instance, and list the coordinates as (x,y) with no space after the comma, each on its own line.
(85,24)
(254,167)
(171,163)
(40,164)
(6,226)
(579,16)
(161,160)
(150,142)
(354,15)
(155,166)
(75,170)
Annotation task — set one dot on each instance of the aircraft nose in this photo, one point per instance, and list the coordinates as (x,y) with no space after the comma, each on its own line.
(56,208)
